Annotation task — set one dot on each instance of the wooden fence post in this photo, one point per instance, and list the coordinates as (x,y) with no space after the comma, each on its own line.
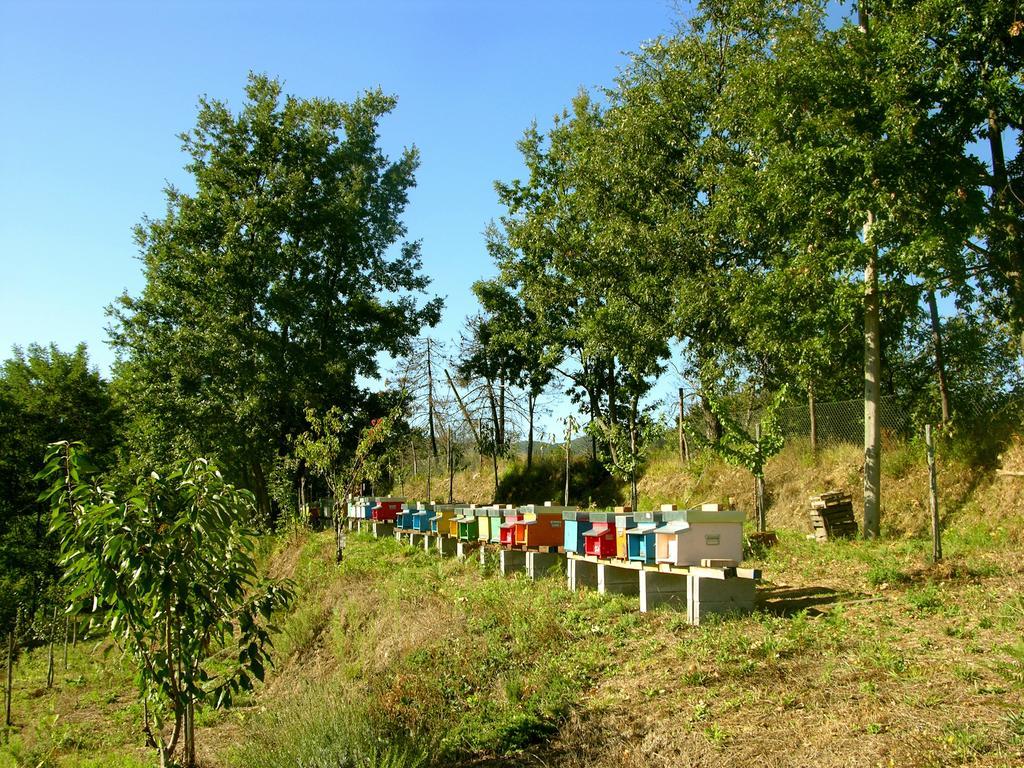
(933,495)
(762,523)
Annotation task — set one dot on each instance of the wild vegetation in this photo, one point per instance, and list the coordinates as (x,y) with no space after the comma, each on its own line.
(785,204)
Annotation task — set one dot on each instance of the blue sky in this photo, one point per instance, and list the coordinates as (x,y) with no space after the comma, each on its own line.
(96,93)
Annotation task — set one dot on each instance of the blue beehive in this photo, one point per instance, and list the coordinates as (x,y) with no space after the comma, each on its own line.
(421,517)
(368,503)
(640,539)
(405,517)
(576,524)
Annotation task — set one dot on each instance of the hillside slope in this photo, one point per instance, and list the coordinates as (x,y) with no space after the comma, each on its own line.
(861,654)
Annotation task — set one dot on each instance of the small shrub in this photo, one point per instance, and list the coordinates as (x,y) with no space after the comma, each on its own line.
(320,729)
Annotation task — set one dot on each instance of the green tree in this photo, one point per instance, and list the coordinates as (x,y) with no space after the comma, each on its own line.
(529,353)
(567,248)
(274,285)
(169,567)
(851,159)
(45,395)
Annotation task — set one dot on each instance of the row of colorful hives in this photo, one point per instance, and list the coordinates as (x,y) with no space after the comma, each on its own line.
(678,537)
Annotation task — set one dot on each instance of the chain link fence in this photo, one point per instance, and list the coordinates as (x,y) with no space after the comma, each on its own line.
(842,421)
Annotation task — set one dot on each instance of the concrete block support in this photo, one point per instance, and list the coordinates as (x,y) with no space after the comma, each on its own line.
(445,546)
(417,539)
(512,561)
(710,596)
(539,564)
(382,530)
(617,581)
(582,574)
(662,589)
(463,549)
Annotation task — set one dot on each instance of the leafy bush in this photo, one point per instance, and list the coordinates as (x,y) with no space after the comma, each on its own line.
(320,728)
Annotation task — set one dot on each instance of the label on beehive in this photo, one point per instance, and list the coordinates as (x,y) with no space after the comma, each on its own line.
(712,539)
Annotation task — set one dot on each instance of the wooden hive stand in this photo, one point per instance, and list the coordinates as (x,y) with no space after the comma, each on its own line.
(832,516)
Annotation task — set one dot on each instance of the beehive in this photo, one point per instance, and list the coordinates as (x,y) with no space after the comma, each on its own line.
(600,539)
(386,510)
(467,524)
(623,522)
(496,516)
(421,517)
(508,528)
(705,533)
(539,527)
(405,518)
(458,512)
(640,543)
(441,519)
(574,525)
(483,523)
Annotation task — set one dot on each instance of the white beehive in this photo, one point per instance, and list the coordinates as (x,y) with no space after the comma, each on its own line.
(708,533)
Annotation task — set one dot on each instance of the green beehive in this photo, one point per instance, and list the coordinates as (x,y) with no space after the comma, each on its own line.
(468,527)
(495,517)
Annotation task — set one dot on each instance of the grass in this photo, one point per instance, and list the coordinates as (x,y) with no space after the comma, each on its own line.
(89,718)
(862,654)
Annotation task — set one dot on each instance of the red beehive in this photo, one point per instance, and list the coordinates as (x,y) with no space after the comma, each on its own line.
(508,529)
(386,511)
(600,540)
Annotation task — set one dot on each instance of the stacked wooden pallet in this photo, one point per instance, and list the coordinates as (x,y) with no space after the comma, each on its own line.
(832,516)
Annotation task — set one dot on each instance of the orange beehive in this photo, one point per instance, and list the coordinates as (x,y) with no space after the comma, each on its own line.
(539,527)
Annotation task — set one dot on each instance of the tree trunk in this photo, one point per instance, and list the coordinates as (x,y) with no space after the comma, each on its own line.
(9,691)
(872,392)
(683,458)
(762,522)
(940,365)
(501,409)
(462,407)
(190,734)
(263,505)
(568,458)
(595,411)
(451,468)
(430,400)
(494,460)
(531,403)
(712,426)
(633,495)
(613,409)
(495,423)
(49,655)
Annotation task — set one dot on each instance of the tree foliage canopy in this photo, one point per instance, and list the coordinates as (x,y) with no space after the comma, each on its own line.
(273,286)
